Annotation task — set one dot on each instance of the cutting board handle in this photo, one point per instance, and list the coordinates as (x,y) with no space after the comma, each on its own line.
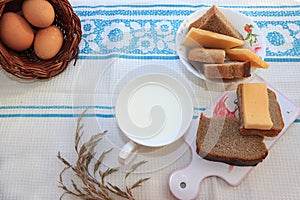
(184,183)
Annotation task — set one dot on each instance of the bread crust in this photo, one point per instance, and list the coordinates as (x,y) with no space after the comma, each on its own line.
(232,161)
(275,113)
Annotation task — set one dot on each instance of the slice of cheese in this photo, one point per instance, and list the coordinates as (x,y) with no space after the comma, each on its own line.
(201,38)
(255,103)
(239,54)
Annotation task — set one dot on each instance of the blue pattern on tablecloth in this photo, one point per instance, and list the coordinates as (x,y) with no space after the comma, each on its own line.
(147,38)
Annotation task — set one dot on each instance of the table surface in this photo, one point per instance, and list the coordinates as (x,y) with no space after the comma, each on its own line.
(38,119)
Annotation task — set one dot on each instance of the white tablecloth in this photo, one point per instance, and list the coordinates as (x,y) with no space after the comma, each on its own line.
(38,119)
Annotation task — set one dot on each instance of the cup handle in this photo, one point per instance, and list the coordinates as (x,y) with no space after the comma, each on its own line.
(127,152)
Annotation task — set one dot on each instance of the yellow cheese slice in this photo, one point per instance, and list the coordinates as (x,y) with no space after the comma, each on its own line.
(255,103)
(198,37)
(239,54)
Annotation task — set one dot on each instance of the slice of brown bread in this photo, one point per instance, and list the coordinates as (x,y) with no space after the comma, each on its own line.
(219,139)
(214,20)
(275,113)
(227,70)
(207,55)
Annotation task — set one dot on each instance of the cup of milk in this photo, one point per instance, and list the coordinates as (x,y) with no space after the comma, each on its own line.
(153,110)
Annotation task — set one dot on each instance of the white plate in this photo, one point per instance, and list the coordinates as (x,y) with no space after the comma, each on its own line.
(237,19)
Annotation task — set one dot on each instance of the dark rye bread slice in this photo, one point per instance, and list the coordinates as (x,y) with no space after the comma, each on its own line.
(214,20)
(219,139)
(227,70)
(275,114)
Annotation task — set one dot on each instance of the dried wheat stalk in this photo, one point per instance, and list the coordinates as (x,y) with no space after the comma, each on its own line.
(87,186)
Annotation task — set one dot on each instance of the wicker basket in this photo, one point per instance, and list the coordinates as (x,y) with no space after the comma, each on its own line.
(25,64)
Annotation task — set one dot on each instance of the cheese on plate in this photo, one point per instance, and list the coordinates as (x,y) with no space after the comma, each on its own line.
(239,54)
(201,38)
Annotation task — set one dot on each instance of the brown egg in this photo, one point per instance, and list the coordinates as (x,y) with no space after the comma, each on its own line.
(48,42)
(39,13)
(15,32)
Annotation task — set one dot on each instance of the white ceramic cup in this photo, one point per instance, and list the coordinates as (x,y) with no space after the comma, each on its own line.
(152,110)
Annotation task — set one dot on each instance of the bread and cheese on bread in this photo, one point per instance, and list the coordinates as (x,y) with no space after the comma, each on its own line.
(208,37)
(269,114)
(215,21)
(226,139)
(219,139)
(214,31)
(207,55)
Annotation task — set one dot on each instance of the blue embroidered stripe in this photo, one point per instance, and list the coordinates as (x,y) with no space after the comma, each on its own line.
(126,36)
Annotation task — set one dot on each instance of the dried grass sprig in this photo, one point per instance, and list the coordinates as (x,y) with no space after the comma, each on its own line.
(134,167)
(91,183)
